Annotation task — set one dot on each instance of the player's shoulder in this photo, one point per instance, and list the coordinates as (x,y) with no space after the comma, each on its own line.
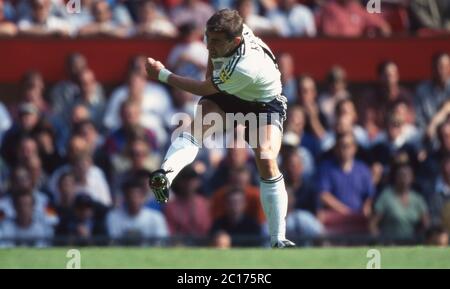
(246,59)
(236,65)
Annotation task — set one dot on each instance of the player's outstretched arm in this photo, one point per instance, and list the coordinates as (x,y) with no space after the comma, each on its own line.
(157,71)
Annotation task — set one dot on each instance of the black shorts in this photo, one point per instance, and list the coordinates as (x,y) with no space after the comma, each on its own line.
(233,104)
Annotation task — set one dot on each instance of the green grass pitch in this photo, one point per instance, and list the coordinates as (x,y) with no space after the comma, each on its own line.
(129,257)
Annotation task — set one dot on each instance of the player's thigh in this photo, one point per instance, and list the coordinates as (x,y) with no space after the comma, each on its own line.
(209,118)
(267,149)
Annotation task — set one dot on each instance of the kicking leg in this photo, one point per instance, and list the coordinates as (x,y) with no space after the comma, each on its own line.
(183,150)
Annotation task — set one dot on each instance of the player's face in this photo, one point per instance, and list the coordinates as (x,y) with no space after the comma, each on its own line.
(219,44)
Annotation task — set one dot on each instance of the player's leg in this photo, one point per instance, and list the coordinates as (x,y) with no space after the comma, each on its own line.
(273,193)
(183,150)
(185,147)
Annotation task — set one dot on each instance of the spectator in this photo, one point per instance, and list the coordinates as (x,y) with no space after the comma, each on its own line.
(336,91)
(28,120)
(89,178)
(286,67)
(345,184)
(37,174)
(82,17)
(5,121)
(399,138)
(191,11)
(439,198)
(440,117)
(190,56)
(63,131)
(152,98)
(104,25)
(133,221)
(26,228)
(376,102)
(408,133)
(84,223)
(301,223)
(131,127)
(260,25)
(304,192)
(91,95)
(64,93)
(7,28)
(27,149)
(222,4)
(32,88)
(79,113)
(188,213)
(21,183)
(137,63)
(136,157)
(184,104)
(142,176)
(437,236)
(87,130)
(291,142)
(221,240)
(65,194)
(307,97)
(120,12)
(346,122)
(293,19)
(239,177)
(4,172)
(48,150)
(348,18)
(243,230)
(431,94)
(24,8)
(400,213)
(9,10)
(153,22)
(295,126)
(430,167)
(432,14)
(236,157)
(42,23)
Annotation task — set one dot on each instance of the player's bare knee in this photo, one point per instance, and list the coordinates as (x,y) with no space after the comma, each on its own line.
(268,168)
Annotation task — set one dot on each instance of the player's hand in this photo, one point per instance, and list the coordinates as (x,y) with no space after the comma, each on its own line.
(153,67)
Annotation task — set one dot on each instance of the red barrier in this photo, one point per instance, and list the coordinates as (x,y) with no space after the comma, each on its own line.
(109,57)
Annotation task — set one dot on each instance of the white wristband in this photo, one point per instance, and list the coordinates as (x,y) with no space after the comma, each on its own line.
(164,74)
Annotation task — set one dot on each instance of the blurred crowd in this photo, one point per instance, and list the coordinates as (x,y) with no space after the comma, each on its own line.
(367,160)
(278,18)
(75,162)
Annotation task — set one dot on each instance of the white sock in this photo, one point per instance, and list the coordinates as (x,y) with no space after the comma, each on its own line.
(181,153)
(274,202)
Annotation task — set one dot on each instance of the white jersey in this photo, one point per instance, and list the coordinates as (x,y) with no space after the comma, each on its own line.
(250,73)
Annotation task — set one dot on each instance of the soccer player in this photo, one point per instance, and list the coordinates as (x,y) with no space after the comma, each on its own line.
(242,77)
